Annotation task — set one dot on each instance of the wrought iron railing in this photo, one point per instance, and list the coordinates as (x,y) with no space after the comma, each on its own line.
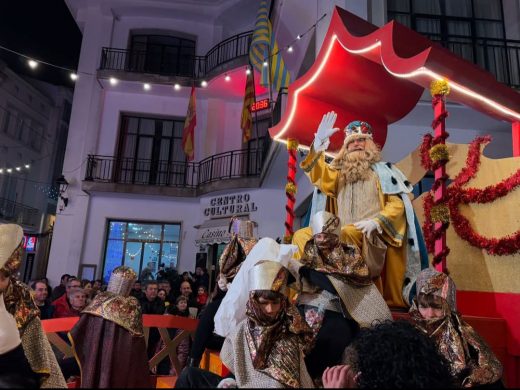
(501,57)
(18,213)
(222,166)
(197,67)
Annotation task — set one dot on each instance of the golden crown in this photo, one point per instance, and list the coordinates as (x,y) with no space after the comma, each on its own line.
(122,280)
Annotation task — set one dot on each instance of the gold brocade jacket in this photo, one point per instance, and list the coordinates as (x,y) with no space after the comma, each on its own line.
(391,217)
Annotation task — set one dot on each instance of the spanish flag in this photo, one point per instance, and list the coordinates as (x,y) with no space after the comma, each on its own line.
(246,123)
(265,48)
(188,134)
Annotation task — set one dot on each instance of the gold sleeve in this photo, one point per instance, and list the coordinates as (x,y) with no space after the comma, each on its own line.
(319,173)
(392,219)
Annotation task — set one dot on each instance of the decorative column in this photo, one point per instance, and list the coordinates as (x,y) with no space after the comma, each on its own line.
(439,157)
(515,130)
(290,190)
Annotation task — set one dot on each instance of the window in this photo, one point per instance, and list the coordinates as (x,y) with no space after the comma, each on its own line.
(150,151)
(140,244)
(472,29)
(162,54)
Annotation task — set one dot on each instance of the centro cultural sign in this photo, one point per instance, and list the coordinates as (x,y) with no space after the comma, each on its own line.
(229,205)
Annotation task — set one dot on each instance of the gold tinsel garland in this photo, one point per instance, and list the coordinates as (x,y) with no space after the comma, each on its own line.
(439,87)
(439,152)
(440,213)
(290,188)
(292,144)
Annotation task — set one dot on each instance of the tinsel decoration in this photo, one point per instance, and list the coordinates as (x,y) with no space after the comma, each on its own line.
(438,157)
(438,153)
(439,87)
(290,190)
(457,195)
(440,213)
(292,144)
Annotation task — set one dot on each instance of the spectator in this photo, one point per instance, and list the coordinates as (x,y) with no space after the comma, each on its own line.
(78,301)
(62,307)
(61,289)
(86,285)
(136,291)
(201,277)
(40,298)
(96,286)
(151,304)
(390,355)
(161,293)
(49,288)
(166,286)
(147,272)
(187,293)
(183,349)
(202,297)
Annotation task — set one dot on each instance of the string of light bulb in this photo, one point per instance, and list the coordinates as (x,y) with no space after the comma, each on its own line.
(74,74)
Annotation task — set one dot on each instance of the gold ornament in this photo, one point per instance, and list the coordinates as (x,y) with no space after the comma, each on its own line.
(292,144)
(439,152)
(440,213)
(290,188)
(439,87)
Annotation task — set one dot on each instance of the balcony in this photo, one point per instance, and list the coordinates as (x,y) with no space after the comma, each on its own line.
(233,169)
(21,214)
(501,57)
(228,54)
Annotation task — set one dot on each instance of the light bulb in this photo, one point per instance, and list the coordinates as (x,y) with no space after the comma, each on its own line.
(73,76)
(298,36)
(290,49)
(9,170)
(18,169)
(32,64)
(227,78)
(146,86)
(265,63)
(113,81)
(177,87)
(27,166)
(248,71)
(204,83)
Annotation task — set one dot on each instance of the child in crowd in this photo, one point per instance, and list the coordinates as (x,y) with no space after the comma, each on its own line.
(183,349)
(202,296)
(434,312)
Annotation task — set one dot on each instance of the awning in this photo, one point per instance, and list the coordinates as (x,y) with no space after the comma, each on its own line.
(213,231)
(378,74)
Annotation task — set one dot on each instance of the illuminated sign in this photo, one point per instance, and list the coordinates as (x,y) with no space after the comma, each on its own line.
(29,243)
(260,105)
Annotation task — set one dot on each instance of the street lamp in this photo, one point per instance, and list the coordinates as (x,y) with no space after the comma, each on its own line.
(63,184)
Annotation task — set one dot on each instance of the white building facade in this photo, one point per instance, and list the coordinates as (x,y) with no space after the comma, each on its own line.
(34,119)
(134,199)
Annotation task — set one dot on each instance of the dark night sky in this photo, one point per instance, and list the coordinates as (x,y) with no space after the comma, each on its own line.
(44,29)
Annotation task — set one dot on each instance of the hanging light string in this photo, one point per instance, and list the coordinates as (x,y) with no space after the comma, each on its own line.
(36,62)
(33,62)
(289,47)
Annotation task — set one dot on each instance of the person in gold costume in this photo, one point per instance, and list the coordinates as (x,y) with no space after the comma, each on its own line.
(434,313)
(108,340)
(371,199)
(20,304)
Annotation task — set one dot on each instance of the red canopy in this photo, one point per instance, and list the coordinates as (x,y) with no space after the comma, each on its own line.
(377,75)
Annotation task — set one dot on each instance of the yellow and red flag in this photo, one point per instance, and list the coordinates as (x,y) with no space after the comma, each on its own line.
(188,134)
(246,122)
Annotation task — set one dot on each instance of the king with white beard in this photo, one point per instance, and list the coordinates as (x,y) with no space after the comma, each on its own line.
(371,199)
